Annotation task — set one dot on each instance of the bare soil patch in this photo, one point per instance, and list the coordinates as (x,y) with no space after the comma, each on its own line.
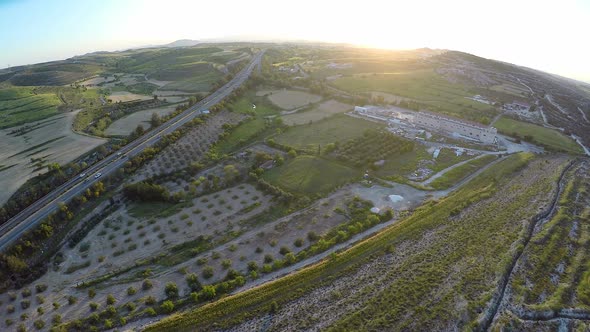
(290,99)
(64,146)
(127,124)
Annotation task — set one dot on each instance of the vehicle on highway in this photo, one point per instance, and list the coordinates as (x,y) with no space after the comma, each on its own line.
(97,175)
(82,175)
(119,153)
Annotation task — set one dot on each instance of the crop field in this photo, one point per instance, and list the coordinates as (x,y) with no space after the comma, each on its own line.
(321,111)
(290,99)
(37,144)
(191,147)
(112,257)
(21,105)
(263,107)
(459,173)
(243,133)
(541,135)
(404,267)
(126,125)
(310,175)
(337,128)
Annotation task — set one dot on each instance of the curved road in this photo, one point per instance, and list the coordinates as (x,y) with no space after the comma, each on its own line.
(40,209)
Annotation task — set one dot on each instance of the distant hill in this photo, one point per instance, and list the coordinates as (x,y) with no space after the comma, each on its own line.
(182,43)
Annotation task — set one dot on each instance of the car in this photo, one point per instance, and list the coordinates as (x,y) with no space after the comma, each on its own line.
(82,175)
(97,175)
(119,153)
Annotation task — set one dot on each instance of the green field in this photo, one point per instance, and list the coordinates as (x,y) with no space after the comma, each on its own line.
(241,135)
(244,105)
(421,278)
(337,128)
(21,105)
(310,175)
(548,137)
(461,172)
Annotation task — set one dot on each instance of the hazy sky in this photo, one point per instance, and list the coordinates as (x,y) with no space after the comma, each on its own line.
(547,35)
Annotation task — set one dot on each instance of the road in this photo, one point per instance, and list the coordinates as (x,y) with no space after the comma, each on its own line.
(40,209)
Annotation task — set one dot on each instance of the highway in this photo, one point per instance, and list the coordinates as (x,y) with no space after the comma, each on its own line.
(40,209)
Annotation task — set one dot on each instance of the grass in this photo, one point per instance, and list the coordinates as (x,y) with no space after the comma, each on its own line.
(338,128)
(310,175)
(541,135)
(459,173)
(244,105)
(412,297)
(242,134)
(145,210)
(22,105)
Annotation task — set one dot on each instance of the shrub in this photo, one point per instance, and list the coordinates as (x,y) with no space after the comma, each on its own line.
(72,300)
(111,311)
(147,284)
(284,250)
(258,250)
(252,266)
(10,308)
(312,236)
(24,317)
(101,259)
(39,324)
(233,247)
(298,243)
(171,290)
(40,310)
(25,304)
(132,247)
(8,322)
(108,324)
(273,243)
(84,246)
(167,306)
(56,305)
(111,299)
(93,306)
(21,328)
(26,292)
(131,291)
(215,255)
(40,299)
(202,261)
(40,288)
(91,293)
(207,272)
(207,293)
(150,300)
(130,306)
(193,282)
(268,258)
(93,318)
(56,319)
(12,296)
(226,263)
(150,312)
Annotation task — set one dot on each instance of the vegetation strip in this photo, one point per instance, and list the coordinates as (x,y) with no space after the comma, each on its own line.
(499,294)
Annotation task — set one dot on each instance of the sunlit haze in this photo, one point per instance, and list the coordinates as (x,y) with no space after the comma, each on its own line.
(546,35)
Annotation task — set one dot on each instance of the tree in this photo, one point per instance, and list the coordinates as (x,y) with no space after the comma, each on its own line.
(231,173)
(156,120)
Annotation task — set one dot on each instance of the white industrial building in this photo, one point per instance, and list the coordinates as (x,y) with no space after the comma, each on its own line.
(432,121)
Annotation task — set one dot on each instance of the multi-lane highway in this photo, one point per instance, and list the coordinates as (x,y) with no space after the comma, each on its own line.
(39,210)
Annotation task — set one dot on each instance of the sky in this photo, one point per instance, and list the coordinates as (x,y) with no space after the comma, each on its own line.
(548,35)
